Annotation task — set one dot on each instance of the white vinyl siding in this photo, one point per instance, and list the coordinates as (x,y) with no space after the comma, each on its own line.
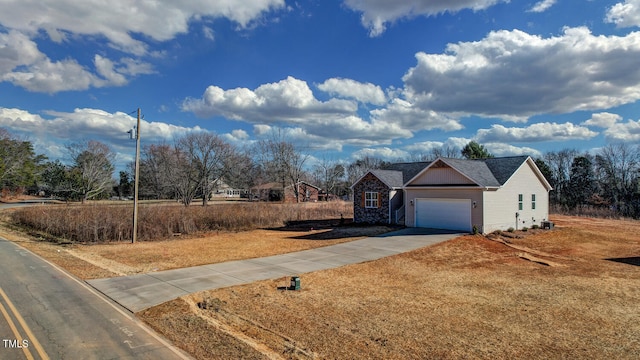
(442,175)
(502,205)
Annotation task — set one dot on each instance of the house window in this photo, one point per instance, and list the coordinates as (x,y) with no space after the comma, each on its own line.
(370,200)
(520,197)
(533,201)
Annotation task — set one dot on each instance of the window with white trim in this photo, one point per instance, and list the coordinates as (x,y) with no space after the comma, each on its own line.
(371,199)
(533,201)
(520,197)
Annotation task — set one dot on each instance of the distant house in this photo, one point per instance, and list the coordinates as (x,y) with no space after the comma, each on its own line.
(267,192)
(222,190)
(456,194)
(274,192)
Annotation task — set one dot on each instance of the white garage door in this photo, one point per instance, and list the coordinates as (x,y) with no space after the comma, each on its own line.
(450,214)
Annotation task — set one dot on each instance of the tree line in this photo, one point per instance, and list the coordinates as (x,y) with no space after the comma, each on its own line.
(608,180)
(190,167)
(193,165)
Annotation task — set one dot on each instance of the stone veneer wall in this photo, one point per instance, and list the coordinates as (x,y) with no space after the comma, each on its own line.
(371,216)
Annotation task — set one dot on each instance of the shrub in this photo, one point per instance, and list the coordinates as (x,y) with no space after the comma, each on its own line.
(535,226)
(525,229)
(104,223)
(511,229)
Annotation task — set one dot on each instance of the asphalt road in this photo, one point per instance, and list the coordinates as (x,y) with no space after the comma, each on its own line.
(47,314)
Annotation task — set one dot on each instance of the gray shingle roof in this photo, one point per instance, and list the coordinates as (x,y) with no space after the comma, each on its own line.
(488,172)
(476,170)
(484,172)
(502,168)
(392,178)
(408,170)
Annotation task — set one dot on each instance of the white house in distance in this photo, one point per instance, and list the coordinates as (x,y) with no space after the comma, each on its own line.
(455,194)
(222,190)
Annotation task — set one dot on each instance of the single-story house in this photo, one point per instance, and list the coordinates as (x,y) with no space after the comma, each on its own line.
(273,192)
(456,194)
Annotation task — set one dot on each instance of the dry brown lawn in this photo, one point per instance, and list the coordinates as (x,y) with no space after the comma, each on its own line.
(471,297)
(93,261)
(573,292)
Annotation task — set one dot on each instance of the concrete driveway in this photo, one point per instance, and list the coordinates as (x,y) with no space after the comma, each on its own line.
(138,292)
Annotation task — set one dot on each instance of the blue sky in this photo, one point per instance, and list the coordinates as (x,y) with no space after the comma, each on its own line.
(343,79)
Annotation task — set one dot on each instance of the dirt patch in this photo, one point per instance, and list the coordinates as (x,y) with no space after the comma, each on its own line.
(466,298)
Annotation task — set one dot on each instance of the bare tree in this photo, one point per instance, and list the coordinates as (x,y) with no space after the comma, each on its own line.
(92,168)
(208,154)
(156,165)
(241,171)
(559,163)
(617,170)
(182,173)
(282,161)
(444,151)
(329,174)
(358,168)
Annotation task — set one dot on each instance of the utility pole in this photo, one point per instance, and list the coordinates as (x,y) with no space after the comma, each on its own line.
(135,186)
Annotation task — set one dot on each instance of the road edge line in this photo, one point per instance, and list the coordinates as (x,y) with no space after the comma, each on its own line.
(108,300)
(25,327)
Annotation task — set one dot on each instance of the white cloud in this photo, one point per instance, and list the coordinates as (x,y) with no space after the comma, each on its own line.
(514,75)
(534,133)
(384,153)
(106,68)
(615,129)
(291,103)
(457,142)
(347,88)
(300,137)
(50,134)
(411,117)
(287,100)
(495,148)
(625,14)
(22,64)
(376,14)
(238,137)
(119,20)
(626,132)
(542,6)
(603,120)
(501,149)
(240,134)
(426,146)
(17,50)
(208,33)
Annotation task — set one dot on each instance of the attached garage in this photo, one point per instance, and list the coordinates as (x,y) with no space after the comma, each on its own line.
(449,214)
(458,194)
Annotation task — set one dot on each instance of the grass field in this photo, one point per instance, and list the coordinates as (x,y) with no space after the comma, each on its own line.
(464,299)
(106,222)
(568,293)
